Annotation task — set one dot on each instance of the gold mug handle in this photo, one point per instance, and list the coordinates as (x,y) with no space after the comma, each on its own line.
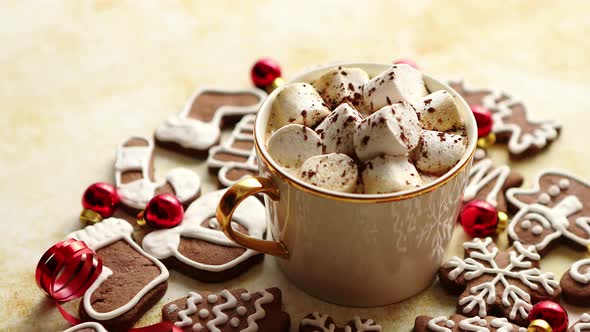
(238,192)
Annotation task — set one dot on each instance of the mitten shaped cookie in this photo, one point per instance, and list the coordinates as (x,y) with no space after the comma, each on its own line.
(512,125)
(575,283)
(197,127)
(199,248)
(134,176)
(131,281)
(235,310)
(236,157)
(316,322)
(459,323)
(492,281)
(554,211)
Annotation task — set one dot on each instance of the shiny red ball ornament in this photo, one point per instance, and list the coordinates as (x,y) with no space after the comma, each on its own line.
(484,120)
(551,312)
(101,198)
(163,211)
(407,62)
(479,218)
(264,72)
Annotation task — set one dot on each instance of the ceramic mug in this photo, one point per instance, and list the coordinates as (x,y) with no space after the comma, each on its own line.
(353,249)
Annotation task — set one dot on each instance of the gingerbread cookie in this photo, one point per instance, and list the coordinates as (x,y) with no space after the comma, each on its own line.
(553,211)
(199,248)
(316,322)
(236,157)
(131,281)
(87,327)
(490,183)
(459,323)
(512,125)
(492,281)
(582,325)
(197,127)
(134,176)
(235,310)
(575,283)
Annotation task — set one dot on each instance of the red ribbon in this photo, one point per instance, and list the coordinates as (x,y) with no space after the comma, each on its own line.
(67,270)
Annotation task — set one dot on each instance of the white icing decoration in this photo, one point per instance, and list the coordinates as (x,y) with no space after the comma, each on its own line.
(164,243)
(212,298)
(234,322)
(368,325)
(472,324)
(203,313)
(450,324)
(554,190)
(482,261)
(583,325)
(191,302)
(525,224)
(197,327)
(576,272)
(502,325)
(103,234)
(537,230)
(564,184)
(480,175)
(138,193)
(213,224)
(260,313)
(172,308)
(241,310)
(479,154)
(88,325)
(544,198)
(318,321)
(196,134)
(220,317)
(242,132)
(245,296)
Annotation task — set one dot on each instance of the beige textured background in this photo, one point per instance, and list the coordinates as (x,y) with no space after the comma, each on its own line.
(77,77)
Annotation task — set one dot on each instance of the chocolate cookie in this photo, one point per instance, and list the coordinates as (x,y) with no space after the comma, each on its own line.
(459,323)
(197,127)
(134,176)
(504,283)
(554,211)
(197,246)
(316,322)
(131,281)
(236,157)
(512,125)
(575,283)
(582,325)
(87,327)
(235,310)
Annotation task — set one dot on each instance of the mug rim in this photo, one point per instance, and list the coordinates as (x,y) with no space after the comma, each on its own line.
(262,153)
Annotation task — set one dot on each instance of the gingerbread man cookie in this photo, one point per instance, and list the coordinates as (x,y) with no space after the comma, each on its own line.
(131,281)
(235,310)
(87,327)
(236,157)
(512,125)
(551,212)
(575,283)
(459,323)
(492,281)
(197,127)
(582,325)
(134,176)
(316,322)
(199,248)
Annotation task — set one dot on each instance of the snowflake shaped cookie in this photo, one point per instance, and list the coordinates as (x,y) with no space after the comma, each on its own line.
(460,323)
(493,281)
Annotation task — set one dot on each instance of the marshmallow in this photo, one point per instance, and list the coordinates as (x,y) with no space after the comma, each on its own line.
(342,85)
(298,103)
(438,152)
(387,174)
(337,130)
(438,111)
(393,130)
(398,83)
(293,144)
(334,171)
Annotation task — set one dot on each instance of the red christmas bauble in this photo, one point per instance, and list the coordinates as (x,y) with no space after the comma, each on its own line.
(163,211)
(484,120)
(551,312)
(264,72)
(479,218)
(407,62)
(101,198)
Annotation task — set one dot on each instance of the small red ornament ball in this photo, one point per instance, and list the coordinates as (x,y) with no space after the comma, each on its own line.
(551,312)
(101,198)
(264,72)
(163,211)
(479,218)
(408,62)
(484,120)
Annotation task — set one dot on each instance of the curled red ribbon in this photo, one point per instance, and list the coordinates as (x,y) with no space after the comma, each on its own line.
(68,269)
